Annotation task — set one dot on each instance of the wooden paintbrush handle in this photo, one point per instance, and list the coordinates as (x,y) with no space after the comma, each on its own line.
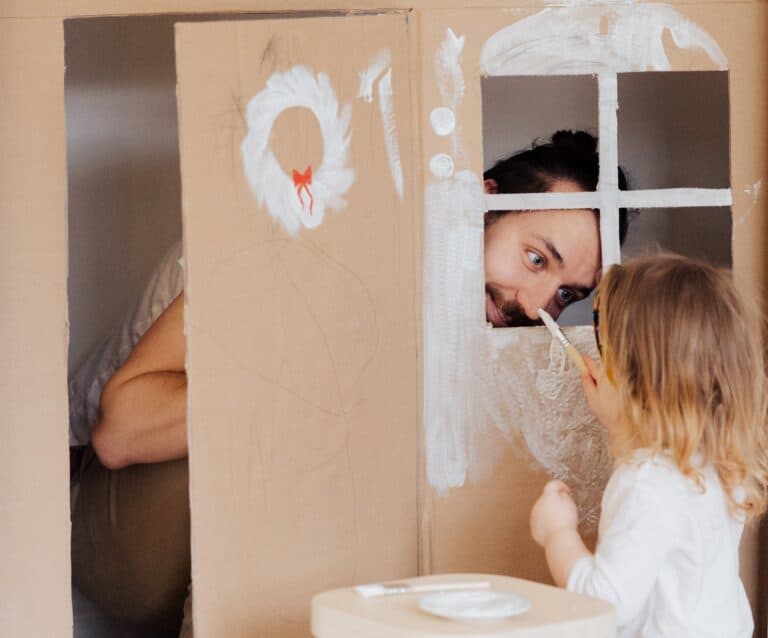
(577,359)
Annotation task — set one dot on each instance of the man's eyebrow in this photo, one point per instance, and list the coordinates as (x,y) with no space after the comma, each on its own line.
(551,248)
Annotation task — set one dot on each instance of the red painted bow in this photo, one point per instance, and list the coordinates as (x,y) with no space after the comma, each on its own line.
(302,181)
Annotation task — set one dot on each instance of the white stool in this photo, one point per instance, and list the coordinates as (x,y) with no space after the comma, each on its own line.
(555,613)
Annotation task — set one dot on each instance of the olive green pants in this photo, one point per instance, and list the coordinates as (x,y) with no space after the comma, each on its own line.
(130,540)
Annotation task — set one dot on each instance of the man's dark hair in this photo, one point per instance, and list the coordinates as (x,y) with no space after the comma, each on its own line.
(568,155)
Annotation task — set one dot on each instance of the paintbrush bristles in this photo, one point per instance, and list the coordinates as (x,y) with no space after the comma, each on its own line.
(552,326)
(556,332)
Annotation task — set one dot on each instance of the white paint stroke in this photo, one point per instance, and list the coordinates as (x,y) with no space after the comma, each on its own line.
(479,383)
(450,82)
(441,165)
(541,201)
(387,109)
(272,187)
(676,198)
(569,41)
(377,66)
(753,191)
(450,77)
(443,120)
(652,198)
(608,182)
(453,274)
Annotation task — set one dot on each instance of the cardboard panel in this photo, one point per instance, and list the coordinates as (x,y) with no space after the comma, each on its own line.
(303,392)
(72,8)
(34,504)
(511,398)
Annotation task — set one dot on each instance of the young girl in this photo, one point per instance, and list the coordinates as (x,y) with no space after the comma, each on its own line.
(681,390)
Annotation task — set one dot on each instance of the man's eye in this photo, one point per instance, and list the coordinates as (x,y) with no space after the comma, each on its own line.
(566,296)
(537,261)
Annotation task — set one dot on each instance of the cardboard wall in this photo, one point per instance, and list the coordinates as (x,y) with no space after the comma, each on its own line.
(483,523)
(71,8)
(303,409)
(347,496)
(34,475)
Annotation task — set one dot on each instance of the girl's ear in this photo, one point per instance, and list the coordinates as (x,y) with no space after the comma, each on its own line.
(491,187)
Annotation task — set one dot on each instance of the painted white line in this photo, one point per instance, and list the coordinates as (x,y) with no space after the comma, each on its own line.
(609,168)
(676,198)
(651,198)
(387,109)
(542,201)
(377,66)
(594,38)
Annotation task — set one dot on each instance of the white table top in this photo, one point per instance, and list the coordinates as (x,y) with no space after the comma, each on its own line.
(555,613)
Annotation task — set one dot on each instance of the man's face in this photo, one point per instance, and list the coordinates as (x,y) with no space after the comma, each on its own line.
(539,259)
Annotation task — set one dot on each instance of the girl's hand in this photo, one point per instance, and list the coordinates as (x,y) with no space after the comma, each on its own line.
(589,383)
(601,395)
(554,511)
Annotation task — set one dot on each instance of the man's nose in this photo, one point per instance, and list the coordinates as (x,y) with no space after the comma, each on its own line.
(542,297)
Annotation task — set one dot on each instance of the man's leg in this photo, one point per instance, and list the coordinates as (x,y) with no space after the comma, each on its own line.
(130,540)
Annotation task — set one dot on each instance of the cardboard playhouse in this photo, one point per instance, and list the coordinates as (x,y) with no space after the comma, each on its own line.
(352,417)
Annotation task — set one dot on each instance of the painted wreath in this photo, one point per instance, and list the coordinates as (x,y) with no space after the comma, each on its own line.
(303,197)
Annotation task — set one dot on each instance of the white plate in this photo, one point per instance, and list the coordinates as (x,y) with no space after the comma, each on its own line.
(474,605)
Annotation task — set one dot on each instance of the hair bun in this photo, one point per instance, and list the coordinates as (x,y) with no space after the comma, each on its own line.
(579,142)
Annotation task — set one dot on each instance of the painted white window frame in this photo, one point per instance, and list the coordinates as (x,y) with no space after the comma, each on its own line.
(608,199)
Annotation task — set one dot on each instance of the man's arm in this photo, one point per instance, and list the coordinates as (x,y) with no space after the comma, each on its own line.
(144,405)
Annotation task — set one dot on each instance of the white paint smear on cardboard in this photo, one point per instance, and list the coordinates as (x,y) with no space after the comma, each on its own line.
(443,120)
(387,110)
(450,77)
(753,191)
(381,61)
(454,245)
(483,383)
(450,80)
(272,187)
(568,41)
(441,165)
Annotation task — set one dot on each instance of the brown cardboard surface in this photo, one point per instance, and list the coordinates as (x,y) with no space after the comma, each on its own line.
(275,522)
(34,506)
(483,525)
(84,8)
(301,349)
(742,33)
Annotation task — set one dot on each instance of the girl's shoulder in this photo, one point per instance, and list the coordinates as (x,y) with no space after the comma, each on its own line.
(647,487)
(658,474)
(645,463)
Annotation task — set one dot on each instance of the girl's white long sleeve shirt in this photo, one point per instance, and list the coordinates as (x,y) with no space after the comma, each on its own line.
(667,555)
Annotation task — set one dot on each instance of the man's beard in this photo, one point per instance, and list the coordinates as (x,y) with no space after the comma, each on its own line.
(512,313)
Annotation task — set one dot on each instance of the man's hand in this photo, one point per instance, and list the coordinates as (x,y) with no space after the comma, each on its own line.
(555,510)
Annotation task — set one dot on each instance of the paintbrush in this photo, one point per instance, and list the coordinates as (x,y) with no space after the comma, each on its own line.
(573,353)
(390,589)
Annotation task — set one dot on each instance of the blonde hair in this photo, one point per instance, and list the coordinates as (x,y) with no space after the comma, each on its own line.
(685,353)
